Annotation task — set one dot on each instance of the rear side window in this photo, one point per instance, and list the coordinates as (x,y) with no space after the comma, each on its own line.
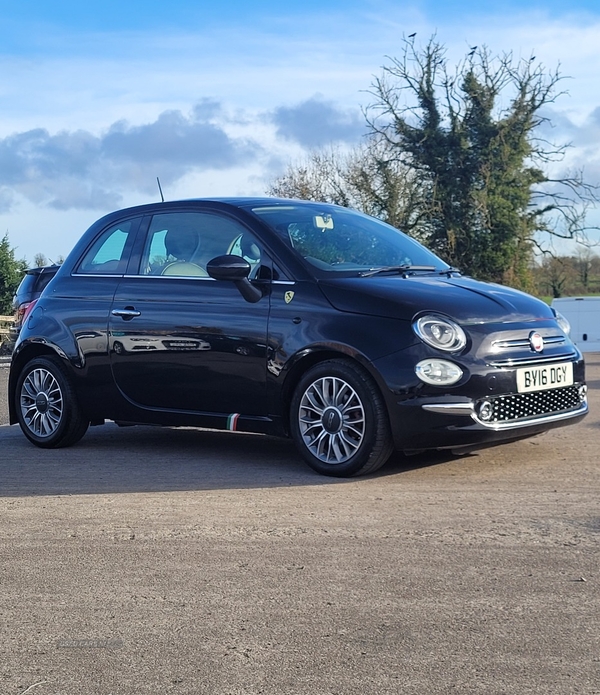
(27,286)
(108,255)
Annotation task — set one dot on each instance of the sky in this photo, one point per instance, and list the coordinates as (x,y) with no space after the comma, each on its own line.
(216,99)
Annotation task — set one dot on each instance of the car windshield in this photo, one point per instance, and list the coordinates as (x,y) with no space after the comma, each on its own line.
(333,238)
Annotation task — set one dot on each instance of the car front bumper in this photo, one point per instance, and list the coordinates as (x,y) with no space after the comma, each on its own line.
(451,423)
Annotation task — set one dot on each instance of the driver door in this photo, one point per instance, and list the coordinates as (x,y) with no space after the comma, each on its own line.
(180,340)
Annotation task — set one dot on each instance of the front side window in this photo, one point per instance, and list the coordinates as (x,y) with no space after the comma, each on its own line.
(180,244)
(109,253)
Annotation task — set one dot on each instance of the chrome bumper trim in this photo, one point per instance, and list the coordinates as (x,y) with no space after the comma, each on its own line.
(468,409)
(450,408)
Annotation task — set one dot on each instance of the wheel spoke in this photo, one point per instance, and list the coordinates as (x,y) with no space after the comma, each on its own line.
(35,420)
(328,391)
(337,445)
(356,431)
(318,442)
(312,404)
(312,428)
(340,401)
(46,424)
(351,406)
(350,444)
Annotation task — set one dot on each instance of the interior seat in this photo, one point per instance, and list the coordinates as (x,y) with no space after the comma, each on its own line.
(183,245)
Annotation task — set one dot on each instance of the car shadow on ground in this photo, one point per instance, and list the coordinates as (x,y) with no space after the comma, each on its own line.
(110,459)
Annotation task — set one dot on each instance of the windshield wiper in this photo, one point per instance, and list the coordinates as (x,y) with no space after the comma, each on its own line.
(398,269)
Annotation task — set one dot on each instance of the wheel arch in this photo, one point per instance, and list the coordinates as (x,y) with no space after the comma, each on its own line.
(306,359)
(25,354)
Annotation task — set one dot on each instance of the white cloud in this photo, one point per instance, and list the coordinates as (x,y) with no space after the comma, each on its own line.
(316,122)
(92,119)
(81,170)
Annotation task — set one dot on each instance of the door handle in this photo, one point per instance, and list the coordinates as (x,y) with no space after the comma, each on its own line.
(127,313)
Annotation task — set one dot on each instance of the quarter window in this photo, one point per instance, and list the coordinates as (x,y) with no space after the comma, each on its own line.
(109,253)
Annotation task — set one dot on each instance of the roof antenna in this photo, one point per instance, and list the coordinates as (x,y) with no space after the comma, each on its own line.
(162,197)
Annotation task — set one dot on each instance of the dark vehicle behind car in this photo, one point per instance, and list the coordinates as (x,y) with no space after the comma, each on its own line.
(287,318)
(31,287)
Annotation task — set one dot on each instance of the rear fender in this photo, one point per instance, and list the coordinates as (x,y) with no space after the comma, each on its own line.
(26,351)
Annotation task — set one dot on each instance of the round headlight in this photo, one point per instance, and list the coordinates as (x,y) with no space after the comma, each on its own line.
(440,333)
(564,324)
(438,372)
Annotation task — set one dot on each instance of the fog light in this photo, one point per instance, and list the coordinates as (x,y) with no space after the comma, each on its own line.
(583,393)
(485,411)
(438,372)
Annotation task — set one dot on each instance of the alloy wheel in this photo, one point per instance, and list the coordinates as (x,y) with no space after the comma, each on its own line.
(41,402)
(332,420)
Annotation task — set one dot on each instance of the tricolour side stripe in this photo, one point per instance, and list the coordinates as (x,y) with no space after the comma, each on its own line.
(232,422)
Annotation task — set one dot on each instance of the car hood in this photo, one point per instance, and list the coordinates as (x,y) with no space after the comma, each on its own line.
(464,299)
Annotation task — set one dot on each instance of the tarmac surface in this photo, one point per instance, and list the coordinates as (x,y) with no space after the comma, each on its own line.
(147,560)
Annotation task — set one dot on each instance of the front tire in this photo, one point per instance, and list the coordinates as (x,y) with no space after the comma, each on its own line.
(339,421)
(47,409)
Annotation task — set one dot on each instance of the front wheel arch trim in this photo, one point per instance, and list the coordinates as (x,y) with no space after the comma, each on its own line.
(302,362)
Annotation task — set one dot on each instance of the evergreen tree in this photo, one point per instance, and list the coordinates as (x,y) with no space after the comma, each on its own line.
(11,273)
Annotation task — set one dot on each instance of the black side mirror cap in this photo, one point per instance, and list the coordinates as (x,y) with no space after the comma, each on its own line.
(234,269)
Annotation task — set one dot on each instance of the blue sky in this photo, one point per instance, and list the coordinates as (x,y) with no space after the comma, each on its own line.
(97,99)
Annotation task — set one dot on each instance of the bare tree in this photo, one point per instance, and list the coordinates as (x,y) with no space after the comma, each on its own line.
(365,178)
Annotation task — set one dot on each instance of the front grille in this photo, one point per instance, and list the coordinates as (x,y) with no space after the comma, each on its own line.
(519,406)
(526,343)
(537,359)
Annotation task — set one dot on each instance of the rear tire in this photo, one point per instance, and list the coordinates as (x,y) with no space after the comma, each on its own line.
(47,409)
(339,421)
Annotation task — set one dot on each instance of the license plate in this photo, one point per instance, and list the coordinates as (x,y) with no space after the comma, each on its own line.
(544,378)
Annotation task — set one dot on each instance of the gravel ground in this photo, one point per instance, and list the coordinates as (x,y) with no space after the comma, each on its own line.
(146,561)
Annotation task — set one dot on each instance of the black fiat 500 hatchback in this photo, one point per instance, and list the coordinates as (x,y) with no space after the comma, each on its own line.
(290,318)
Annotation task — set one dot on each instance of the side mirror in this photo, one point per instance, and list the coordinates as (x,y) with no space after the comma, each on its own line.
(234,269)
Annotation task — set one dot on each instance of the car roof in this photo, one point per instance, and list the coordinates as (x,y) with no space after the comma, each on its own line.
(239,202)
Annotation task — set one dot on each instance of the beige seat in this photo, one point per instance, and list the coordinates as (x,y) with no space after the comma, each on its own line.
(243,245)
(183,244)
(184,269)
